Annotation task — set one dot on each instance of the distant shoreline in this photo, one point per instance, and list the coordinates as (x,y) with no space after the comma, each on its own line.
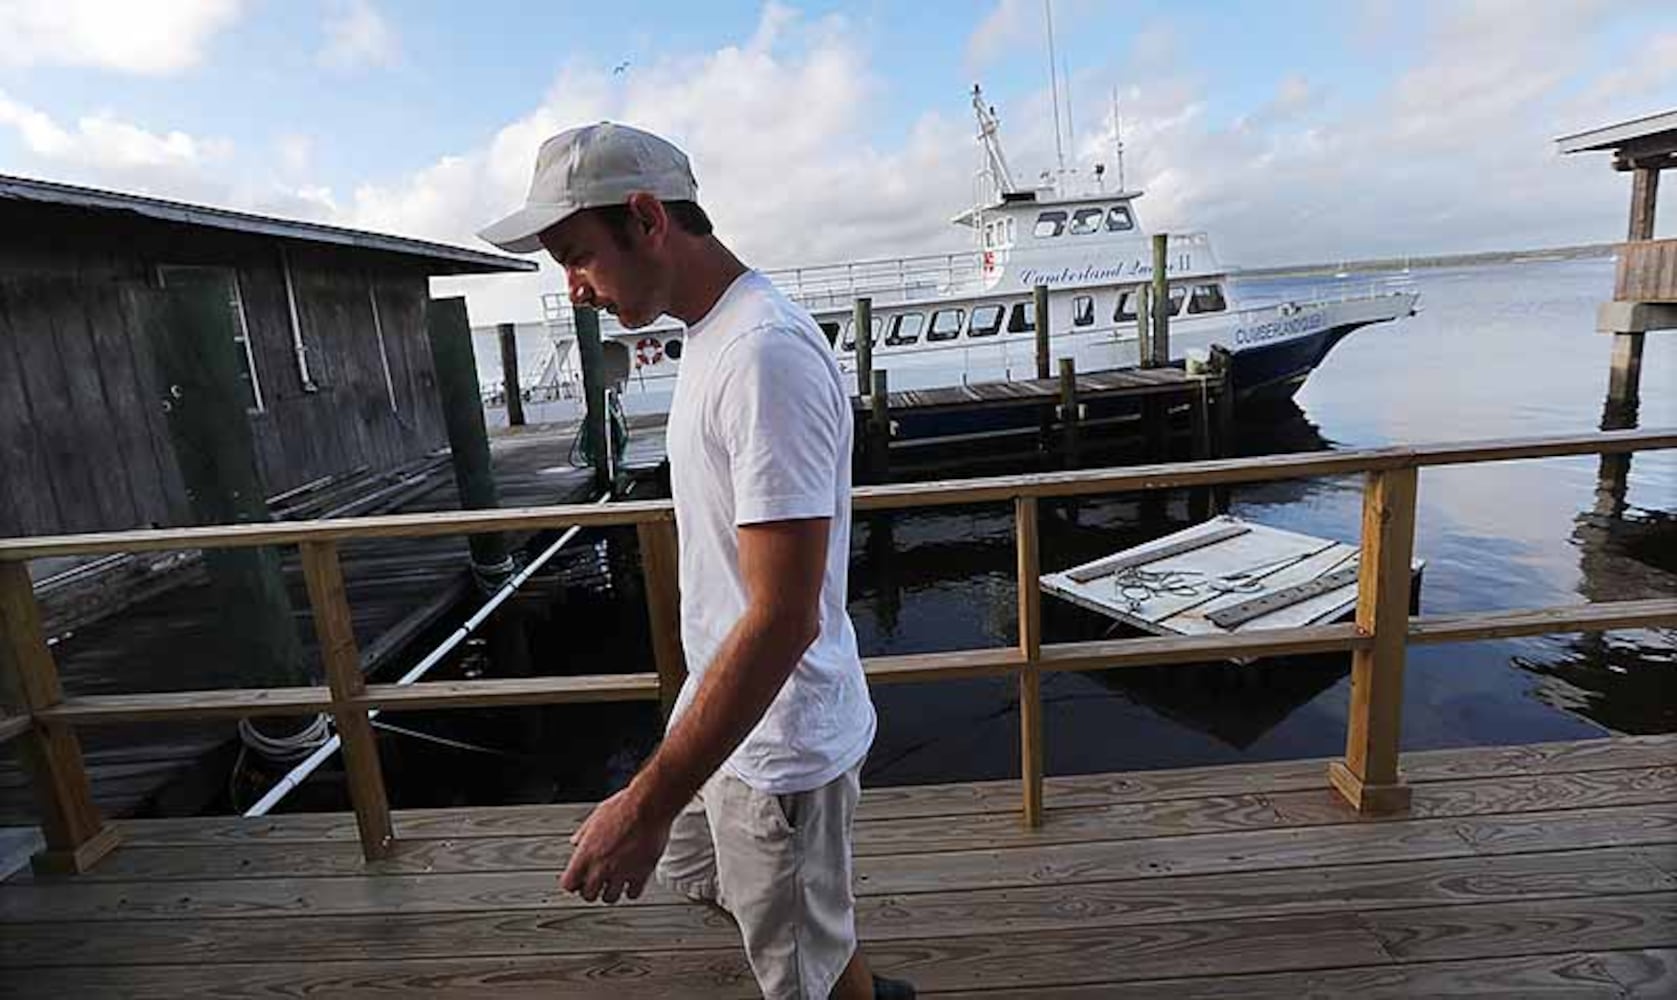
(1585,251)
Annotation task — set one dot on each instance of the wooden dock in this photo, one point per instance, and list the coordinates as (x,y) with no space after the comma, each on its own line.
(1546,870)
(164,641)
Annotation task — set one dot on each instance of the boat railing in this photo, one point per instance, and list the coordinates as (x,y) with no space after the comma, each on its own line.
(47,721)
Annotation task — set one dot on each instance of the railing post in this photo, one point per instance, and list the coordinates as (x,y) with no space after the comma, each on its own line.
(660,568)
(861,325)
(333,627)
(1030,648)
(1368,777)
(76,834)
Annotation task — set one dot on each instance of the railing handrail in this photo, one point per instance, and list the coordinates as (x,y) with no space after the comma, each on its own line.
(989,489)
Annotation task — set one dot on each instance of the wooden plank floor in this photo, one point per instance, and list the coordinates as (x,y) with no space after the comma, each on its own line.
(1547,870)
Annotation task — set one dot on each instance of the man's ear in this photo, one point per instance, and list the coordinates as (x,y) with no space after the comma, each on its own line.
(647,215)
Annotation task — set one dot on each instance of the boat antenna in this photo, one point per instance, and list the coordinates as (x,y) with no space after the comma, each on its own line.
(1118,138)
(1054,87)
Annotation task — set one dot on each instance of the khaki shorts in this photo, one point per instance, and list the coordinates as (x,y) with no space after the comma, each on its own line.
(780,864)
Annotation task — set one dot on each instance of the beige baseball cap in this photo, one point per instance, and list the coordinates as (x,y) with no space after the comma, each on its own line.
(591,167)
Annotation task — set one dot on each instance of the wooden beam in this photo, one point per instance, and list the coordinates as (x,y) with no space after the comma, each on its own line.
(1160,650)
(179,706)
(660,569)
(13,726)
(1644,199)
(509,691)
(861,327)
(336,633)
(1600,617)
(915,667)
(1030,650)
(75,833)
(1368,777)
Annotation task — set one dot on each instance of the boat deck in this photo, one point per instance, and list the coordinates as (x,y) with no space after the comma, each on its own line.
(1544,870)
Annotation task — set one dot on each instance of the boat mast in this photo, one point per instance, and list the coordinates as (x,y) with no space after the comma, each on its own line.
(1054,87)
(989,135)
(1118,138)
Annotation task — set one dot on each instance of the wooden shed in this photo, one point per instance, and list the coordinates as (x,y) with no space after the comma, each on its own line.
(328,327)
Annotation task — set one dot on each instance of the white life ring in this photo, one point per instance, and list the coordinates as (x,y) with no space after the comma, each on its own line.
(648,352)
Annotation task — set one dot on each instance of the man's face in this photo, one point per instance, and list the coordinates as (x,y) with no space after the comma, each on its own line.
(624,280)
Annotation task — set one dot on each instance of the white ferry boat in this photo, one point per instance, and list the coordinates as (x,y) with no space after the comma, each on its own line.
(949,319)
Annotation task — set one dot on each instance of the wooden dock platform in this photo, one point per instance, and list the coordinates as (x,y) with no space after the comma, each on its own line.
(1543,870)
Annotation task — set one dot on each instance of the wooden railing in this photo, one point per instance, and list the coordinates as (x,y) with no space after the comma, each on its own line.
(1647,272)
(45,721)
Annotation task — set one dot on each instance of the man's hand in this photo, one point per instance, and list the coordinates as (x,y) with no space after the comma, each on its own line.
(616,849)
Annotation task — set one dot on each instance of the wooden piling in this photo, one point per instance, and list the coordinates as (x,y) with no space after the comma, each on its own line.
(1144,326)
(450,333)
(1222,437)
(1069,416)
(1644,199)
(510,383)
(1368,776)
(1160,340)
(862,327)
(75,833)
(596,423)
(1039,301)
(879,424)
(191,327)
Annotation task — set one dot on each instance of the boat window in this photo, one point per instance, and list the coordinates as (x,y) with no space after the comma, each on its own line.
(986,321)
(850,333)
(946,324)
(1083,310)
(989,235)
(1126,306)
(672,349)
(1207,299)
(1086,220)
(832,332)
(905,329)
(1050,224)
(1177,294)
(1012,232)
(1022,319)
(1118,219)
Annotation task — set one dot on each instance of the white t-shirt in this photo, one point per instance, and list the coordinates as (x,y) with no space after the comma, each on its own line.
(760,430)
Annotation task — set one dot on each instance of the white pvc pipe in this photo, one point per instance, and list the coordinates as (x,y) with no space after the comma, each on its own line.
(312,762)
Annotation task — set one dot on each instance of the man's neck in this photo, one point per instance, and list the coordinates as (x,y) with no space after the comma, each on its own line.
(702,276)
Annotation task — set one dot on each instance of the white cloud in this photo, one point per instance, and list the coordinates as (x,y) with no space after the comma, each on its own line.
(357,37)
(1009,23)
(102,142)
(123,35)
(781,140)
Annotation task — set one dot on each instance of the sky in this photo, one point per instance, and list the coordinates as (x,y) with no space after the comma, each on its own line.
(1291,130)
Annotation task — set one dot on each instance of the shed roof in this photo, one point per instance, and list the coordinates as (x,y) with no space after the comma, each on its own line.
(439,258)
(1647,141)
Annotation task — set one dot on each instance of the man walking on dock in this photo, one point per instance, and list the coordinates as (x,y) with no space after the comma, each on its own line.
(749,801)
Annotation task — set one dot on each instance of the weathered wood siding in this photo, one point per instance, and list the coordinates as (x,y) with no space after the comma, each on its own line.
(83,445)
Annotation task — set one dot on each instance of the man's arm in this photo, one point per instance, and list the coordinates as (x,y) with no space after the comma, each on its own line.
(783,565)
